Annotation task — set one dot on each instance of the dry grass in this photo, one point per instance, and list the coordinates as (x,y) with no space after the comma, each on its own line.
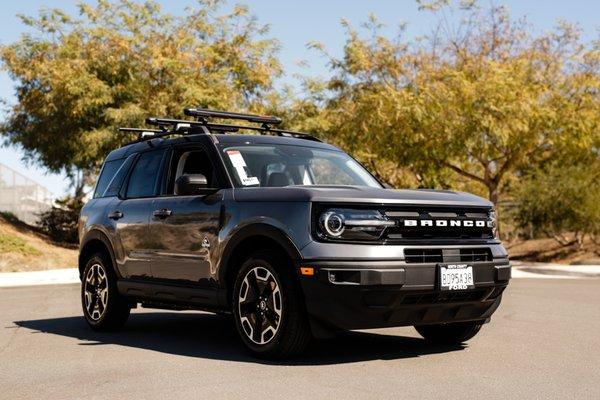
(24,248)
(549,250)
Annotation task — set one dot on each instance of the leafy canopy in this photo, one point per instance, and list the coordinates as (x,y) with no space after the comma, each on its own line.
(469,106)
(79,77)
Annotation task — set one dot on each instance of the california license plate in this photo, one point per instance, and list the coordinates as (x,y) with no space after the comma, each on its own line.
(456,277)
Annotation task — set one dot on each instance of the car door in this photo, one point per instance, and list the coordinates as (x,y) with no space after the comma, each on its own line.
(187,225)
(131,213)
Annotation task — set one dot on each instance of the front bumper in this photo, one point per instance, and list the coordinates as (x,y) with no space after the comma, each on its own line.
(344,295)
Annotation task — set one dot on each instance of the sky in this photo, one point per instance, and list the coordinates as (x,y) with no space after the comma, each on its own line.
(294,24)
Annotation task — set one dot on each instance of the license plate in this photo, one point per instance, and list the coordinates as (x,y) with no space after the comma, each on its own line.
(456,277)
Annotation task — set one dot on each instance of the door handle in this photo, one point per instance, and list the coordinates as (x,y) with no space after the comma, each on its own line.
(162,213)
(115,215)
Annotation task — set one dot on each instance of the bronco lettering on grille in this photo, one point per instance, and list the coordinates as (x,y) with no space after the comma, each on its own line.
(451,223)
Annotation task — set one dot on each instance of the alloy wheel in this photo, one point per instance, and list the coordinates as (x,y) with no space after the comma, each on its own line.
(260,305)
(96,291)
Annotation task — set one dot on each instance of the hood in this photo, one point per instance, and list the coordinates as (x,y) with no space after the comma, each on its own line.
(360,194)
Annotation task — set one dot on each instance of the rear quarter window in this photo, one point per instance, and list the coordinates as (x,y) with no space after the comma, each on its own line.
(112,176)
(109,169)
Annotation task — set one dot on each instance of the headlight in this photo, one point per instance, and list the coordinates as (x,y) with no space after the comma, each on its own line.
(493,223)
(351,224)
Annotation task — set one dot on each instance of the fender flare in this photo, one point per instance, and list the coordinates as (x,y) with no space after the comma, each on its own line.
(252,230)
(96,234)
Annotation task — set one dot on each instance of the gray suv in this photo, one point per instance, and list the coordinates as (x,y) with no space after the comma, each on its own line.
(290,235)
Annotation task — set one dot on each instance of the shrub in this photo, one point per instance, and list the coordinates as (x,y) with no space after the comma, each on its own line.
(60,222)
(560,199)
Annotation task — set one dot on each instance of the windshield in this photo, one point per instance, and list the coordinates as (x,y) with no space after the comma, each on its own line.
(284,165)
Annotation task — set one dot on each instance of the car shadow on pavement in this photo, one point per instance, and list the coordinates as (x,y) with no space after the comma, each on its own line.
(212,336)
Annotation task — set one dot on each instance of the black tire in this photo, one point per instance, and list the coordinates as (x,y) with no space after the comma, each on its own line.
(283,307)
(102,313)
(454,333)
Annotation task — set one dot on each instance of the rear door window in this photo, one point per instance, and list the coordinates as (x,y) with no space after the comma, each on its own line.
(144,176)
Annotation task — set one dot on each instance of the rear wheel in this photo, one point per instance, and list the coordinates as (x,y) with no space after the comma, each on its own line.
(103,307)
(268,308)
(454,333)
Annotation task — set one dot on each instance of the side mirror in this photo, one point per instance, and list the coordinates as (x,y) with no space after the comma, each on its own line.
(192,184)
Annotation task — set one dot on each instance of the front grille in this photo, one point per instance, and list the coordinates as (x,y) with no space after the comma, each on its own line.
(476,254)
(444,297)
(423,256)
(442,223)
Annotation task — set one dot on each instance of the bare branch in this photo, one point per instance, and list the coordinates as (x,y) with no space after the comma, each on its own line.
(465,173)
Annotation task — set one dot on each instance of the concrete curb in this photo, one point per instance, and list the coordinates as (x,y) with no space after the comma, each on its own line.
(48,277)
(556,270)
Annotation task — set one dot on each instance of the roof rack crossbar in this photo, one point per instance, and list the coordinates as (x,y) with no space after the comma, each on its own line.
(262,130)
(203,114)
(226,127)
(170,126)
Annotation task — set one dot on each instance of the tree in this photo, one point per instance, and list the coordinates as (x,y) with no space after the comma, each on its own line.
(470,105)
(79,77)
(558,199)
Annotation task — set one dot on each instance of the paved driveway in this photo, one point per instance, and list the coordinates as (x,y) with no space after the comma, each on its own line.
(544,342)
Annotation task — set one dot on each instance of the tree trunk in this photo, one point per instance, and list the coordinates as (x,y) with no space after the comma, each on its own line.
(82,180)
(79,185)
(493,193)
(493,197)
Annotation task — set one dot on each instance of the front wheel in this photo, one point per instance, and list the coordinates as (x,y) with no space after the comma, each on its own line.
(103,307)
(453,333)
(268,309)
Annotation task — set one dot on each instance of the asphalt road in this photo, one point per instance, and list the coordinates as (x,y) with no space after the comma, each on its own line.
(544,342)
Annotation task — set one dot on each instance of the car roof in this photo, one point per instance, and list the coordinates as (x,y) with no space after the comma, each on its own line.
(236,139)
(222,139)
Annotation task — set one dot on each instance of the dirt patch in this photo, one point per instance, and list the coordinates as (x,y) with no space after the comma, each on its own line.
(25,248)
(549,250)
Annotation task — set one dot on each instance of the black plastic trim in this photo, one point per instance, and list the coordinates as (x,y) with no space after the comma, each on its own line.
(192,296)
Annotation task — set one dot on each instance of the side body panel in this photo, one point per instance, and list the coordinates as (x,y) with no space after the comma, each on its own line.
(131,236)
(182,242)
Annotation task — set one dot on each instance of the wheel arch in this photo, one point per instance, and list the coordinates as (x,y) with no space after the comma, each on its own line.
(245,242)
(95,242)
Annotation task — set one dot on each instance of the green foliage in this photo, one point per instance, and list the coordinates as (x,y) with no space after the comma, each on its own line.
(559,198)
(60,222)
(79,77)
(469,107)
(8,216)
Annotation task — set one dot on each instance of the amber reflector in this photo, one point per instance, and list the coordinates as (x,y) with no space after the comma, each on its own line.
(307,271)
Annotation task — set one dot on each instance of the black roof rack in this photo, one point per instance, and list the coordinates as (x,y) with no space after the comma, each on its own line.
(169,126)
(145,134)
(202,114)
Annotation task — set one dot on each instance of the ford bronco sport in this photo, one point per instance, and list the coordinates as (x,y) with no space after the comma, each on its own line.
(290,235)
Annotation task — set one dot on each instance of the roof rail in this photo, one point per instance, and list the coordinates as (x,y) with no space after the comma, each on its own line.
(169,126)
(144,134)
(183,126)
